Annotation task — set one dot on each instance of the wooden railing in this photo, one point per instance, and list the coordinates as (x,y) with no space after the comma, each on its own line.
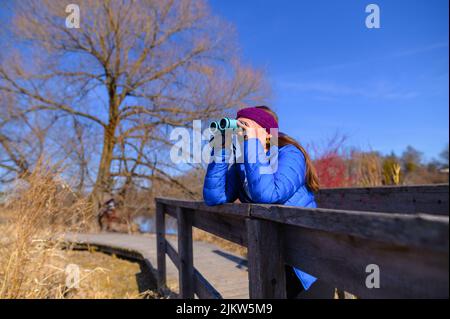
(407,239)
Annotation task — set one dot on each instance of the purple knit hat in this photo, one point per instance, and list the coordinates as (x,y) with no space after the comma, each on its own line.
(260,116)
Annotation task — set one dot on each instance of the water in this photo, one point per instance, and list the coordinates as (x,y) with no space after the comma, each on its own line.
(148,225)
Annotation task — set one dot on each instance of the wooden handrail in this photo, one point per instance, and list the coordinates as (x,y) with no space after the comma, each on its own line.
(428,199)
(335,245)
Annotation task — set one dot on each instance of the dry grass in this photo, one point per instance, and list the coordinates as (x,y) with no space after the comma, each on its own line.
(103,276)
(37,210)
(367,169)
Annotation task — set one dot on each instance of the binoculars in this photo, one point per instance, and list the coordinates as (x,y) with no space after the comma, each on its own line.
(223,124)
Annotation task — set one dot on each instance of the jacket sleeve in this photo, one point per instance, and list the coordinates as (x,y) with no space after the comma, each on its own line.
(266,186)
(220,185)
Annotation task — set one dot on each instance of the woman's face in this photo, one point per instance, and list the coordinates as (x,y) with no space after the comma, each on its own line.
(253,129)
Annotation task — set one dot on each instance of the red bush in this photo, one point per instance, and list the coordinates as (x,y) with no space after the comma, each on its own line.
(330,163)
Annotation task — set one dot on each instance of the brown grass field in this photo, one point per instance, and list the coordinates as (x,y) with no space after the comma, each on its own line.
(32,261)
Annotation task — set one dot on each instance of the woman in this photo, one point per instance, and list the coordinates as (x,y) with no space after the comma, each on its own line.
(291,182)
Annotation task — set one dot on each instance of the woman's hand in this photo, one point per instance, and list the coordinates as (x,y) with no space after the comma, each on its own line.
(251,129)
(248,130)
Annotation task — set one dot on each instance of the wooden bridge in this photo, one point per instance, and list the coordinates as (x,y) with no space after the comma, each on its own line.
(403,231)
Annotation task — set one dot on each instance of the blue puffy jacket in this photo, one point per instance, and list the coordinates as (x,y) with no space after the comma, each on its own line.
(262,178)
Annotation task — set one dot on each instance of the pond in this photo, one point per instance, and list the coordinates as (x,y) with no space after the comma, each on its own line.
(148,224)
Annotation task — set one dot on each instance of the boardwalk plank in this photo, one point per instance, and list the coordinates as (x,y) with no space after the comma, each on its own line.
(231,282)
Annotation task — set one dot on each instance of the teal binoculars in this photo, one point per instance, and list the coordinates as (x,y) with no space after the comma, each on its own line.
(223,124)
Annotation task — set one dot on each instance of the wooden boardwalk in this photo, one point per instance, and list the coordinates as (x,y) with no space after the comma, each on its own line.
(226,271)
(403,231)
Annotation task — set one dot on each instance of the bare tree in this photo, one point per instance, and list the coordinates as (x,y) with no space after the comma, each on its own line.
(444,157)
(76,147)
(22,138)
(133,68)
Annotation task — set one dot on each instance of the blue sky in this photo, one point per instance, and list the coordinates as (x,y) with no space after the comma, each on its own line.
(385,88)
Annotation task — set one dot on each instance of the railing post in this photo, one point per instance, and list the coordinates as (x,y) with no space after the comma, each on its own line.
(161,246)
(185,253)
(266,272)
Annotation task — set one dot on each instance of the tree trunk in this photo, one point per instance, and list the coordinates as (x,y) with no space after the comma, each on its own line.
(103,184)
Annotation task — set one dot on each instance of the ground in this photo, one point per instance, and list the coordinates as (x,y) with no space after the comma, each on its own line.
(42,272)
(105,276)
